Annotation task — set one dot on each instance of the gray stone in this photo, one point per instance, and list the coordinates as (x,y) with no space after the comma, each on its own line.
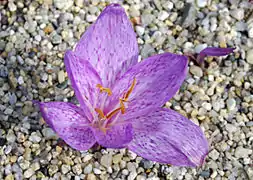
(28,173)
(196,70)
(88,169)
(63,4)
(214,154)
(106,160)
(231,104)
(249,57)
(241,152)
(97,171)
(48,133)
(140,30)
(237,14)
(201,3)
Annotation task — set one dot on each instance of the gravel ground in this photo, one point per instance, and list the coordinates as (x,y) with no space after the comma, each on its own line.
(219,96)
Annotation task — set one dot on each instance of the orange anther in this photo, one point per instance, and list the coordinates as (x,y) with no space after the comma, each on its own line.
(103,89)
(108,116)
(130,90)
(100,112)
(122,106)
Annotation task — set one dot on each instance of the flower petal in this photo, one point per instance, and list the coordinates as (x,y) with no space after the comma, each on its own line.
(168,137)
(213,51)
(158,78)
(110,44)
(84,79)
(69,122)
(118,136)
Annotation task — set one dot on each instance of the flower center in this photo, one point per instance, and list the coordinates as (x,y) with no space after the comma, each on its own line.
(102,123)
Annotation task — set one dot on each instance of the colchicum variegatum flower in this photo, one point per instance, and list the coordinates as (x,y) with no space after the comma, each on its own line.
(121,100)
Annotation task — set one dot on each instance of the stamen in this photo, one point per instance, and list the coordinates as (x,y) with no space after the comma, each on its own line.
(103,89)
(108,116)
(122,106)
(100,112)
(126,96)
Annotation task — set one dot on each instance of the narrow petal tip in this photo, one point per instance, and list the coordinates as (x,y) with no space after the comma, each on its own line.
(213,51)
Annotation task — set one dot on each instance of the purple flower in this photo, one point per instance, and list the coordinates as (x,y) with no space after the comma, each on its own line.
(213,51)
(121,99)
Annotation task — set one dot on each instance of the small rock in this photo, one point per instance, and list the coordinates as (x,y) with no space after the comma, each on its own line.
(201,3)
(3,71)
(163,15)
(53,169)
(241,152)
(28,173)
(231,128)
(9,177)
(61,76)
(11,136)
(77,169)
(197,71)
(139,30)
(205,174)
(88,169)
(35,138)
(106,160)
(231,104)
(214,154)
(147,164)
(90,18)
(147,50)
(56,39)
(91,177)
(132,176)
(147,19)
(249,56)
(97,171)
(79,3)
(63,4)
(237,14)
(65,169)
(117,158)
(48,133)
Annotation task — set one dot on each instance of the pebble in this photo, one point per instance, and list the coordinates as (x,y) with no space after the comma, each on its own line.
(132,176)
(28,173)
(35,138)
(249,56)
(77,169)
(91,177)
(163,15)
(97,171)
(201,3)
(88,169)
(65,168)
(63,4)
(241,152)
(214,154)
(48,133)
(196,70)
(237,14)
(231,104)
(61,76)
(106,160)
(139,30)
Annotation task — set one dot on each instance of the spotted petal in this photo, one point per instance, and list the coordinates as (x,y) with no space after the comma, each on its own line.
(109,44)
(69,122)
(84,79)
(168,137)
(158,78)
(117,136)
